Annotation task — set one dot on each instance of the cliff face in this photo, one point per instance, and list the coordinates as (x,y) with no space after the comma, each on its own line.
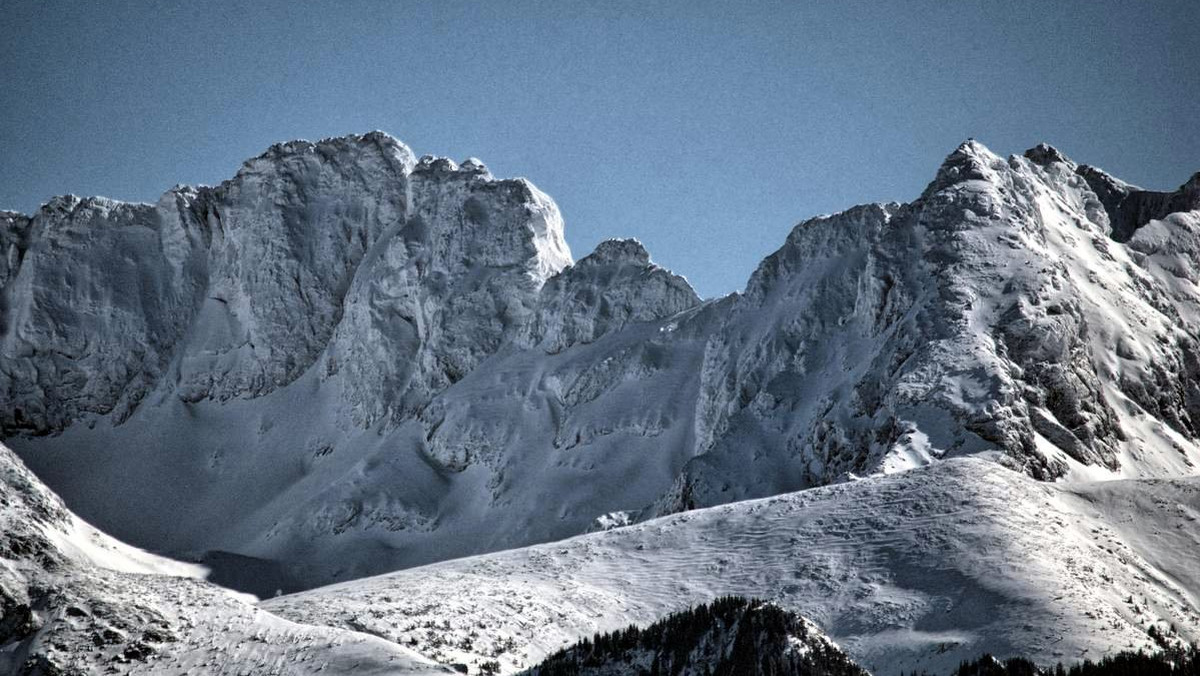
(234,291)
(371,349)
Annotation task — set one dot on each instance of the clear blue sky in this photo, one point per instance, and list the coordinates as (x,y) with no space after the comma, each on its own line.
(704,129)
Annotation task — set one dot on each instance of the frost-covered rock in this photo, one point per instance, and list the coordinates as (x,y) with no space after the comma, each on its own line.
(1130,207)
(614,285)
(238,289)
(98,294)
(287,236)
(446,287)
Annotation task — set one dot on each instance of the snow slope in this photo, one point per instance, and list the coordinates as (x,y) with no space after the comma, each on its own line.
(346,360)
(73,600)
(915,570)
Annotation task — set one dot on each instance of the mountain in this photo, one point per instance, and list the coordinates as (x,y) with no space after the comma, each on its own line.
(918,570)
(346,360)
(730,637)
(75,601)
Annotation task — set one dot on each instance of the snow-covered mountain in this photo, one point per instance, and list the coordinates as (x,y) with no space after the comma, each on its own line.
(917,570)
(75,601)
(346,360)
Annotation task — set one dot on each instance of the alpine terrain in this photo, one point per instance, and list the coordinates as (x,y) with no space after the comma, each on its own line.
(75,601)
(378,392)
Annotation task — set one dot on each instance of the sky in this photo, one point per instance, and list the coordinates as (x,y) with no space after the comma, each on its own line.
(707,130)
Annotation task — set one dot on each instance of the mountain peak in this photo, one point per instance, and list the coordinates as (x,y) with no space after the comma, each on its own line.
(1044,154)
(335,147)
(1192,185)
(458,359)
(301,146)
(434,164)
(972,147)
(971,160)
(618,250)
(474,165)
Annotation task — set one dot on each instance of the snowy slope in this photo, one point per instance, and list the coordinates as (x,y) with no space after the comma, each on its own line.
(73,600)
(916,570)
(391,361)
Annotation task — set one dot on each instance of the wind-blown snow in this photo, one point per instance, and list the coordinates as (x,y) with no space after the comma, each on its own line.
(916,570)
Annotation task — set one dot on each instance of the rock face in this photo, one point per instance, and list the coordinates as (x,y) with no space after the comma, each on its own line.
(398,354)
(447,285)
(98,292)
(1130,207)
(285,238)
(613,286)
(235,291)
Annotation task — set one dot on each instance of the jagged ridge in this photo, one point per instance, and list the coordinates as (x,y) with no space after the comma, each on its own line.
(396,358)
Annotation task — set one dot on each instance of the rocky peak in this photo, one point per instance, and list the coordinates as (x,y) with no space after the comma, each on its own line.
(343,150)
(1191,188)
(972,148)
(614,285)
(970,161)
(618,251)
(59,204)
(475,166)
(444,167)
(436,165)
(1130,207)
(1044,154)
(1104,184)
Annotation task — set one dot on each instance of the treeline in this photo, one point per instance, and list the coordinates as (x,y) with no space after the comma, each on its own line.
(732,636)
(736,636)
(1173,661)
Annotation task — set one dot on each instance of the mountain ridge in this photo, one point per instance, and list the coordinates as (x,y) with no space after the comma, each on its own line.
(404,356)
